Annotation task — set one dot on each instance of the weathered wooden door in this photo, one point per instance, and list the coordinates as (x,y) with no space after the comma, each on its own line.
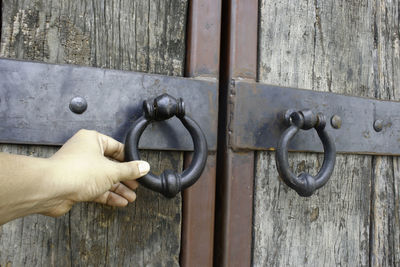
(140,35)
(346,47)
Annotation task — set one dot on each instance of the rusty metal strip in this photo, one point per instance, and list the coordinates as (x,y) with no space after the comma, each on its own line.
(367,126)
(202,60)
(235,170)
(35,104)
(203,38)
(198,217)
(234,214)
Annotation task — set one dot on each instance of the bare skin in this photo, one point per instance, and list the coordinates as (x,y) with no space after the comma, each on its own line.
(88,167)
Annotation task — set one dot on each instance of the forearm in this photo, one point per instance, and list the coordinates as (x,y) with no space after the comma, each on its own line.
(22,186)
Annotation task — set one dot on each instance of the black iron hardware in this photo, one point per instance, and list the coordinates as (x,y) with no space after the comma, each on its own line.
(47,103)
(358,125)
(78,105)
(162,108)
(38,101)
(305,184)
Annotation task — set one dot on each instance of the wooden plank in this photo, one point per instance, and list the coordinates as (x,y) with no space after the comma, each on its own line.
(329,229)
(35,240)
(130,35)
(324,46)
(385,209)
(146,233)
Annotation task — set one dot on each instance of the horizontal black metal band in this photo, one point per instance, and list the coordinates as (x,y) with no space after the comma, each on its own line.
(35,99)
(258,111)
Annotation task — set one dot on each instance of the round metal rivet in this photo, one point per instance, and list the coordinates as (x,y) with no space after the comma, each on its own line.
(378,125)
(336,122)
(78,105)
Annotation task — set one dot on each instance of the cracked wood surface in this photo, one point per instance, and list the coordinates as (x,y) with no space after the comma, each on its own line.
(349,47)
(138,35)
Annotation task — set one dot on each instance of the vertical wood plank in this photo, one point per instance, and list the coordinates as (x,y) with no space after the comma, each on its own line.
(329,229)
(135,35)
(325,46)
(385,209)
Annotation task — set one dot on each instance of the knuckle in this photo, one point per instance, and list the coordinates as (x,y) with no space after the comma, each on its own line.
(82,131)
(86,132)
(119,150)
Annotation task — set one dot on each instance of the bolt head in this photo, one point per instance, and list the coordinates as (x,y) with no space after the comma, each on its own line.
(378,125)
(78,105)
(336,121)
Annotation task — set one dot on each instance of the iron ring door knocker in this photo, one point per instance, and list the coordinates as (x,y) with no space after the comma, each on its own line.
(305,184)
(170,182)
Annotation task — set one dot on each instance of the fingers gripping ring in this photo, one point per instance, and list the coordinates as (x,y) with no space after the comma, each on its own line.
(305,184)
(169,183)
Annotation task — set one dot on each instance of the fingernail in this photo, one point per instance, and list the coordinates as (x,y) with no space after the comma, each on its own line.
(144,167)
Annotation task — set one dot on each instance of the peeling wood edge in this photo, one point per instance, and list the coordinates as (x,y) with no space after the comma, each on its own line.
(1,20)
(198,207)
(371,243)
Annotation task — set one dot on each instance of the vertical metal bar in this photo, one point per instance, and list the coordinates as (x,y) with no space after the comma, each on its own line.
(198,218)
(234,210)
(235,171)
(203,38)
(202,60)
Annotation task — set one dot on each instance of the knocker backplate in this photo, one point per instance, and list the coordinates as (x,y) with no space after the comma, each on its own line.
(258,110)
(35,103)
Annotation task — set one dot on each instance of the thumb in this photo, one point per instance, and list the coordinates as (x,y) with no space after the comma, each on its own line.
(130,170)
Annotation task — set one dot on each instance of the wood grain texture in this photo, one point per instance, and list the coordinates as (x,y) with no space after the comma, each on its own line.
(385,208)
(349,47)
(328,229)
(135,35)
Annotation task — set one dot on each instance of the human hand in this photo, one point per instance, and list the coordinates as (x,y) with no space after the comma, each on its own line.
(82,171)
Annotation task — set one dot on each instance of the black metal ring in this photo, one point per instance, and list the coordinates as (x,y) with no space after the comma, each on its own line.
(305,184)
(169,183)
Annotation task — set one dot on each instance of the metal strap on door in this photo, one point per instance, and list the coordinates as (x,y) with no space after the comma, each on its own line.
(47,103)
